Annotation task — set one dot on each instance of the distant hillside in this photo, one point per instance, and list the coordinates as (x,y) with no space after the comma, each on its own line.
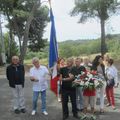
(73,42)
(71,48)
(86,47)
(79,41)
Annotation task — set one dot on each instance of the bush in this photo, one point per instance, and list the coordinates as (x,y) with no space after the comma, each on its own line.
(40,55)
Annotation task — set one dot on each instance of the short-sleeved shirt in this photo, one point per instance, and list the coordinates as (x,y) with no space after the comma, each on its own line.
(112,73)
(39,74)
(66,85)
(77,70)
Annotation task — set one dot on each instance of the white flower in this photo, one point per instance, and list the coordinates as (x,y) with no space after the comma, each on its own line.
(82,83)
(82,73)
(87,83)
(90,75)
(96,83)
(86,78)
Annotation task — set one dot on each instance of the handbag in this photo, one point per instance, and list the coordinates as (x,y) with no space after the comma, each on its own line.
(110,83)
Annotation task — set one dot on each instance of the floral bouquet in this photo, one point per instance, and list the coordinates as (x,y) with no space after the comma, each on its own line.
(78,82)
(99,81)
(88,80)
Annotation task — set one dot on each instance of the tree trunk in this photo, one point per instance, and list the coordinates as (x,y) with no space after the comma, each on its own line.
(26,32)
(9,54)
(10,44)
(103,43)
(2,44)
(18,34)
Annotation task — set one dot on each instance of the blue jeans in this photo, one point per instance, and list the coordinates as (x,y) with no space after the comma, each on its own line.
(79,98)
(43,99)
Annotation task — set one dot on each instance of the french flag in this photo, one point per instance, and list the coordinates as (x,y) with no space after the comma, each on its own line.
(53,55)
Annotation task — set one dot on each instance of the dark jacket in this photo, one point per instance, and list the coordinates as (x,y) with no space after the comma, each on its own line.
(11,74)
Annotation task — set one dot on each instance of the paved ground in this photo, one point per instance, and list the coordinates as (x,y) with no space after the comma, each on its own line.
(54,108)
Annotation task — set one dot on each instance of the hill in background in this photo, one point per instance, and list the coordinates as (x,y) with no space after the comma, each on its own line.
(82,47)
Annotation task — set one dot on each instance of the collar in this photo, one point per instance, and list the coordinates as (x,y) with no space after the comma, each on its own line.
(15,65)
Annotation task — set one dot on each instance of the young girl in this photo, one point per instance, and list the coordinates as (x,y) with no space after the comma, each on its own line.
(89,98)
(89,95)
(112,81)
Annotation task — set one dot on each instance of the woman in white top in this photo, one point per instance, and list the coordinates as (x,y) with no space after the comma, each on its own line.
(100,68)
(112,81)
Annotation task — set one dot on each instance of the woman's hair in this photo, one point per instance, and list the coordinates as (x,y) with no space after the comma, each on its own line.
(110,61)
(95,62)
(106,57)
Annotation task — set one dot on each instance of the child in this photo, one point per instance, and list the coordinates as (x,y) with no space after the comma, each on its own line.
(89,98)
(112,80)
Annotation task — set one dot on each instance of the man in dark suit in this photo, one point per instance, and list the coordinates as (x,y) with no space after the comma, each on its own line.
(15,74)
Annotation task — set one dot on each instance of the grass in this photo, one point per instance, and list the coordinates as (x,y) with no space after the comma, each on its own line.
(91,57)
(42,61)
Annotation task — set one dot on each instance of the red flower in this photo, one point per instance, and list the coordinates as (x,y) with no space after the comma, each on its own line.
(93,72)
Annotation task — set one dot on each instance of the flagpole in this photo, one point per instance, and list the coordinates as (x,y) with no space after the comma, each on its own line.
(57,60)
(50,4)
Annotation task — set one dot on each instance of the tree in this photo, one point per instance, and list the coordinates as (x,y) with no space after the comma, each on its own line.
(36,41)
(6,8)
(101,9)
(13,48)
(21,14)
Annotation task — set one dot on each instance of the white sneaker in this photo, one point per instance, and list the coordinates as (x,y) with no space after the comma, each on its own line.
(33,112)
(45,113)
(59,100)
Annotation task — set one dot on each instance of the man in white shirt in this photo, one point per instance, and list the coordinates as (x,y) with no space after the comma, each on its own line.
(39,76)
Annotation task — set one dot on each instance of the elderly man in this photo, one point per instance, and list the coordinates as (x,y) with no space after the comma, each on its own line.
(15,74)
(39,76)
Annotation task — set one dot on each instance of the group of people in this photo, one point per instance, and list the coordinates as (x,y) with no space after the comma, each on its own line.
(68,70)
(80,98)
(39,75)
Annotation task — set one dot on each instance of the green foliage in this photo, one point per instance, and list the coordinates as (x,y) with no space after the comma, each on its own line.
(11,47)
(94,8)
(88,47)
(27,20)
(36,42)
(40,55)
(77,48)
(101,9)
(114,46)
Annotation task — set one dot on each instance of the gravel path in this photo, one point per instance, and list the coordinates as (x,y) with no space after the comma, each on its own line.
(53,107)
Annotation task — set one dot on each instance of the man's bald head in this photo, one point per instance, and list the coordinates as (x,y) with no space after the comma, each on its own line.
(15,59)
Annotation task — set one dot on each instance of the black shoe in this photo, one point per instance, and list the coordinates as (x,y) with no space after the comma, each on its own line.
(17,111)
(23,110)
(65,117)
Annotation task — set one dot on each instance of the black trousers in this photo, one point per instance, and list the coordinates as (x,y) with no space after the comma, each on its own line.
(65,99)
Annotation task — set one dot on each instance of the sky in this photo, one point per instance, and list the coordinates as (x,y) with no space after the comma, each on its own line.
(68,28)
